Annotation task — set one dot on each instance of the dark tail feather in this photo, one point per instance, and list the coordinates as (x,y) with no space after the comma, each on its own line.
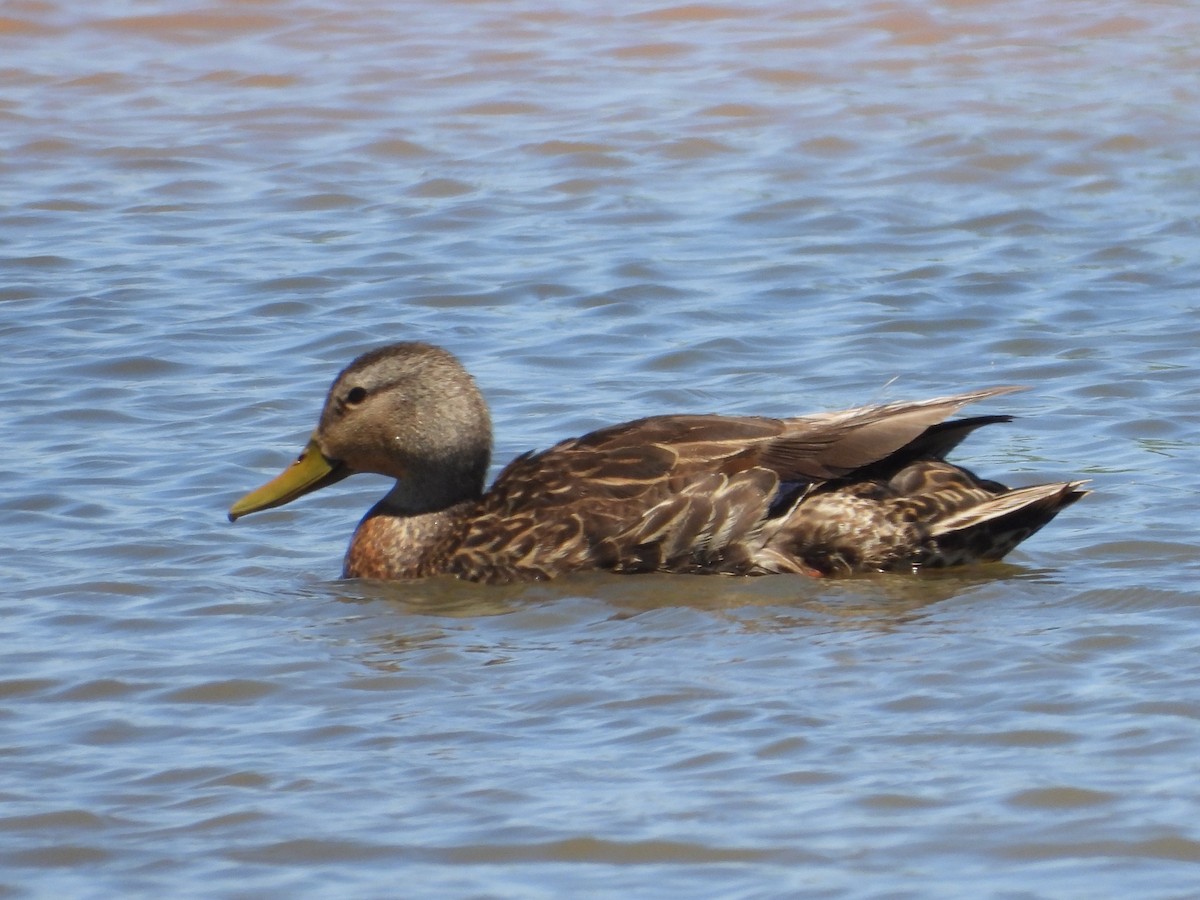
(990,530)
(934,442)
(939,440)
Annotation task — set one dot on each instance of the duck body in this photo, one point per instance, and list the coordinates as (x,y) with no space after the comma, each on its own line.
(865,489)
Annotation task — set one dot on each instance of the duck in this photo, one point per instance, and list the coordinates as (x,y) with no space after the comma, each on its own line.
(860,490)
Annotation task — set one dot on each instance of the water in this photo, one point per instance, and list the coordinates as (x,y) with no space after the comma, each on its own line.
(208,208)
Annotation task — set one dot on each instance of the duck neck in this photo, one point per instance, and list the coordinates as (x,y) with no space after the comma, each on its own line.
(413,531)
(419,493)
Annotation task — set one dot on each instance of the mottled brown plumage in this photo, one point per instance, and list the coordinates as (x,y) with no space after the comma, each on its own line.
(865,489)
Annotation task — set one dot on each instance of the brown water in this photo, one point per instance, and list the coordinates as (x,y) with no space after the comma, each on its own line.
(607,211)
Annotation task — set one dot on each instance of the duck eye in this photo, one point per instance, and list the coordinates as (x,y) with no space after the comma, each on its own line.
(355,396)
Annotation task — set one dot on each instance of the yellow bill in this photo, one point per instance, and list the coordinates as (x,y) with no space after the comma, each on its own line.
(310,472)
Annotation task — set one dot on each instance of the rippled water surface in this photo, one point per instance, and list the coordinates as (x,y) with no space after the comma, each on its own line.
(607,211)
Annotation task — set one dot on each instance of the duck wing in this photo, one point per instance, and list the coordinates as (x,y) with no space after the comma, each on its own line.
(683,492)
(834,445)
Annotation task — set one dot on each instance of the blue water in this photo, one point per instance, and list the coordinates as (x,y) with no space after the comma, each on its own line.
(207,209)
